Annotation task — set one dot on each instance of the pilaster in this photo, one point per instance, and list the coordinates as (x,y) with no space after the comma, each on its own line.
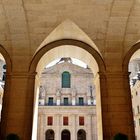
(116,105)
(17,114)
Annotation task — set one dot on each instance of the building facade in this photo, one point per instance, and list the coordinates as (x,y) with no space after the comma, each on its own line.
(135,91)
(103,33)
(67,105)
(134,68)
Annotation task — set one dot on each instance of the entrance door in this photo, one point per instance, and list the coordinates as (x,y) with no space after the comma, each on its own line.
(49,135)
(65,135)
(81,135)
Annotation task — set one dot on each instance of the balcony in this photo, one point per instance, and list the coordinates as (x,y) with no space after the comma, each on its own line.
(62,104)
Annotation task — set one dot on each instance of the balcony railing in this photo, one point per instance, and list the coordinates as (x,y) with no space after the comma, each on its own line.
(62,104)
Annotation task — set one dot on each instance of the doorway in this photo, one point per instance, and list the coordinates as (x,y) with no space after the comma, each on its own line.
(65,135)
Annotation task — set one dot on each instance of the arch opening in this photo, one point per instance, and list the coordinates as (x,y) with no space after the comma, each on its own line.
(81,134)
(50,134)
(2,80)
(42,58)
(65,135)
(131,64)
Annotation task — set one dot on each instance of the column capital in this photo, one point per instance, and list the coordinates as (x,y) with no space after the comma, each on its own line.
(21,75)
(114,74)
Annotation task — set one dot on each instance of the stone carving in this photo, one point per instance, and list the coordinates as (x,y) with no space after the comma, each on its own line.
(58,93)
(42,92)
(73,92)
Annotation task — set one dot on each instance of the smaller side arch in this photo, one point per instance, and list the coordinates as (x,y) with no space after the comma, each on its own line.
(7,58)
(128,56)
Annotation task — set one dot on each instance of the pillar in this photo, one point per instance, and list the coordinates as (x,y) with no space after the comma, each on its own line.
(116,105)
(17,114)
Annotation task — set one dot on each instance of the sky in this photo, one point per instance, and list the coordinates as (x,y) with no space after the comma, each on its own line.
(74,61)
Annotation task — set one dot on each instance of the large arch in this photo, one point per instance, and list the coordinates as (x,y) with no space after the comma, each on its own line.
(85,46)
(47,50)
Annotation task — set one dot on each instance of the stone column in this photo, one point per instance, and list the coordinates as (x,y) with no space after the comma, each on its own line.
(116,105)
(17,113)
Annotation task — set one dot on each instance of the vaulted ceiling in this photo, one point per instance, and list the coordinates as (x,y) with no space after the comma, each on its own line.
(113,25)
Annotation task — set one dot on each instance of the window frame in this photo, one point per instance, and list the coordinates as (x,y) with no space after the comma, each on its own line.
(66,80)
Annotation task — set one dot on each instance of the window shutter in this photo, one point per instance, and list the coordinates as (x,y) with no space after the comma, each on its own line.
(81,120)
(66,79)
(50,120)
(65,121)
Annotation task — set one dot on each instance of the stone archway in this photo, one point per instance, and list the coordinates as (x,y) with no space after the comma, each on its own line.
(73,42)
(128,56)
(75,45)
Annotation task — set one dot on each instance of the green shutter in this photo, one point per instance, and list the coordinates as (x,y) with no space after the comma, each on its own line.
(66,101)
(81,101)
(65,79)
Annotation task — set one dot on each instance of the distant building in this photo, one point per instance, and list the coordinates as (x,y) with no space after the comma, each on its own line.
(134,68)
(67,105)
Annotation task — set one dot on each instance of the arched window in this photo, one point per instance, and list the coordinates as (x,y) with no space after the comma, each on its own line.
(81,135)
(50,134)
(66,79)
(65,135)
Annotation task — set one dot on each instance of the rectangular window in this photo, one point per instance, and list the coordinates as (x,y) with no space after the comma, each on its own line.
(133,111)
(81,120)
(138,109)
(81,101)
(134,123)
(139,122)
(50,101)
(65,121)
(50,120)
(66,101)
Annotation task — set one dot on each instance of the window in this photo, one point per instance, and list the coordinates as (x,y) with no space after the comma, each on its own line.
(81,120)
(138,109)
(133,110)
(50,120)
(139,122)
(136,93)
(50,101)
(81,101)
(4,76)
(66,101)
(65,121)
(134,123)
(66,79)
